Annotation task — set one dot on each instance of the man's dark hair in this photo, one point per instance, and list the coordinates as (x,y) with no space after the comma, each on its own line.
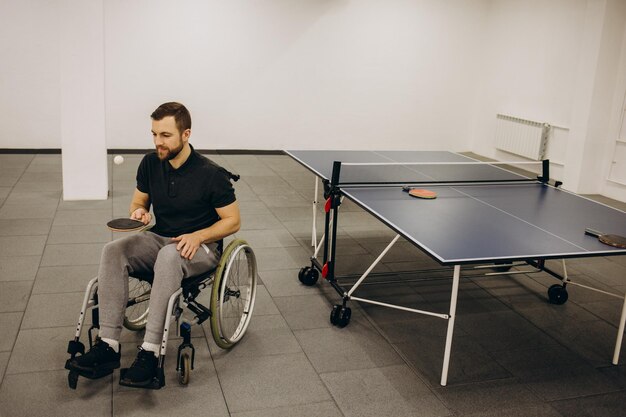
(180,113)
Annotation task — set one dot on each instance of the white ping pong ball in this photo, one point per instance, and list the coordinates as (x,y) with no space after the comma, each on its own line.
(118,160)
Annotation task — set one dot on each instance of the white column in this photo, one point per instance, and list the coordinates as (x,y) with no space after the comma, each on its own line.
(83,141)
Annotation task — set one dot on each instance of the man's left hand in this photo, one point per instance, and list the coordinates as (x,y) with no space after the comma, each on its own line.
(188,245)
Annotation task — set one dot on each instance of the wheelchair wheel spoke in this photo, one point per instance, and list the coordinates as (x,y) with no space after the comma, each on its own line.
(136,314)
(236,294)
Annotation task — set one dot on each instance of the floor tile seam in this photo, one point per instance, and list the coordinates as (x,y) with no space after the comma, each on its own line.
(12,187)
(546,332)
(319,377)
(60,368)
(540,403)
(268,208)
(21,321)
(29,372)
(427,389)
(363,366)
(55,293)
(20,280)
(588,396)
(582,361)
(538,392)
(57,326)
(90,242)
(525,406)
(67,209)
(3,375)
(495,380)
(257,355)
(289,406)
(308,359)
(68,226)
(580,364)
(586,321)
(32,284)
(399,352)
(217,374)
(21,235)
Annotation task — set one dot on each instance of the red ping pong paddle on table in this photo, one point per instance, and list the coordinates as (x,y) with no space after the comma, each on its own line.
(420,193)
(125,224)
(611,240)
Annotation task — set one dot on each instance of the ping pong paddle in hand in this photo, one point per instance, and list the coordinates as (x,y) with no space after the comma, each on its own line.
(420,193)
(125,225)
(611,240)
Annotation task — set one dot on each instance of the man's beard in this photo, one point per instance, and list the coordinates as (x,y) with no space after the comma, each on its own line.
(171,154)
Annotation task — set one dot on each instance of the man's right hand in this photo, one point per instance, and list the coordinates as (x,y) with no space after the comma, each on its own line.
(142,215)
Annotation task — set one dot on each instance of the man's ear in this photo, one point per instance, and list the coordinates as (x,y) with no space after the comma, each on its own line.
(186,134)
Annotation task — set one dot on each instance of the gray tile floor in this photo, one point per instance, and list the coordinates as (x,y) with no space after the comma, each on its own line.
(513,353)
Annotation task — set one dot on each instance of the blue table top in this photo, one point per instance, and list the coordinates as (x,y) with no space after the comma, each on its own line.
(478,223)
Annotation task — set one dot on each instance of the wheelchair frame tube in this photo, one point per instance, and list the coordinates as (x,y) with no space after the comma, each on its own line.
(170,307)
(86,303)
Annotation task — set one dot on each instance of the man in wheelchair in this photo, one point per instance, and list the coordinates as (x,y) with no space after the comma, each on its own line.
(195,208)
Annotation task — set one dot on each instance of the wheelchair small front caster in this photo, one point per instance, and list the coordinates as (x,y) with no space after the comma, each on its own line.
(557,294)
(308,276)
(340,316)
(72,379)
(185,369)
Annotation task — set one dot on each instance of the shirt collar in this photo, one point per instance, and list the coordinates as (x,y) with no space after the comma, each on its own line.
(186,164)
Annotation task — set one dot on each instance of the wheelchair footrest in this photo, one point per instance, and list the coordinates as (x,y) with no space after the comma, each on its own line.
(155,383)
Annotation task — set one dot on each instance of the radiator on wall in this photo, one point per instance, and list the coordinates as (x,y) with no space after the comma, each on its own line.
(522,137)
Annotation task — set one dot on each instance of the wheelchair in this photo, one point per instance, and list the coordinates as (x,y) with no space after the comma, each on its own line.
(233,290)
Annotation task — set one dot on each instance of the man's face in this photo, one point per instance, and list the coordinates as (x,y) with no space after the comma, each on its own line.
(167,139)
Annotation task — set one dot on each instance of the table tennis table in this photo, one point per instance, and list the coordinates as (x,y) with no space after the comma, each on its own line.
(484,213)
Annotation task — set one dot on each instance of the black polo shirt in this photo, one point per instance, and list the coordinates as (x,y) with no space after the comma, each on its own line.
(184,199)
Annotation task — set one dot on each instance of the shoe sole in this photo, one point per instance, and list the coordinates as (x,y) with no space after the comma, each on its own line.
(152,383)
(92,373)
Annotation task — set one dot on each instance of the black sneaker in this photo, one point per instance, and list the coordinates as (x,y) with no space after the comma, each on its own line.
(100,361)
(142,372)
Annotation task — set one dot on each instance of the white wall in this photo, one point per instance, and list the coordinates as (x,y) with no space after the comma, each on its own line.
(295,74)
(275,74)
(556,62)
(531,55)
(30,97)
(267,74)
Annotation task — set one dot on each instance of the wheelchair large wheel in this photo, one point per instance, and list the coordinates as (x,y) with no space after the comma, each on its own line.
(136,315)
(233,294)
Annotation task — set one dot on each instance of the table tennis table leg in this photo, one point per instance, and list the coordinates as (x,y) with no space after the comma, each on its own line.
(314,232)
(453,300)
(620,334)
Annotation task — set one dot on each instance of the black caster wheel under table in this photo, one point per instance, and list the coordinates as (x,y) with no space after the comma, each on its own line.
(308,276)
(557,294)
(340,315)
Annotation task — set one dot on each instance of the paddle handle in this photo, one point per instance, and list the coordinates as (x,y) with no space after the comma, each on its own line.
(593,233)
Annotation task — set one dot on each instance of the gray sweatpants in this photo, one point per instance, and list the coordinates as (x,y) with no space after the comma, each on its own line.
(145,251)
